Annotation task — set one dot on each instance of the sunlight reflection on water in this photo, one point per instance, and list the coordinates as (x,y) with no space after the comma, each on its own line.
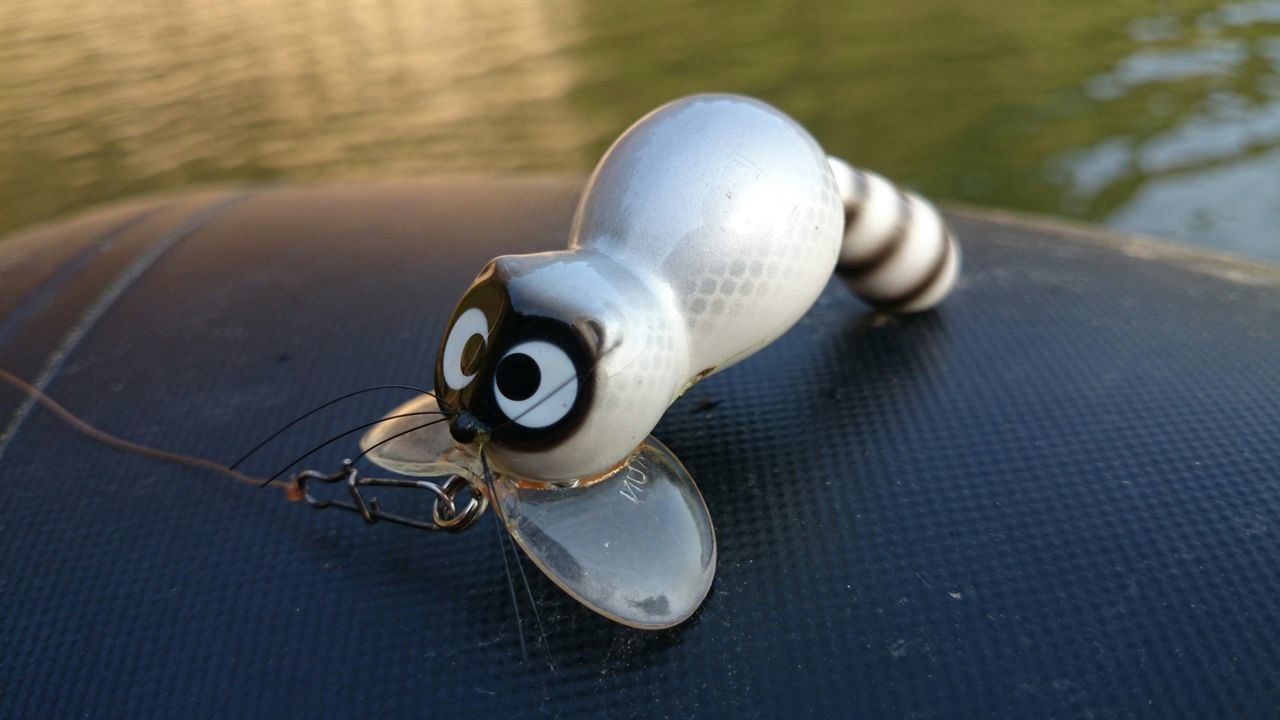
(1210,174)
(1165,123)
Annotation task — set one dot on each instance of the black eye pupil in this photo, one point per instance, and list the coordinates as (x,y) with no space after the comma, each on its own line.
(518,376)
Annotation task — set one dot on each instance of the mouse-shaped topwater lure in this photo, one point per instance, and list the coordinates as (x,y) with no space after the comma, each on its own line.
(707,230)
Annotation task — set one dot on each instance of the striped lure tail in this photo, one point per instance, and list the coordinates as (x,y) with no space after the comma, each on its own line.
(898,254)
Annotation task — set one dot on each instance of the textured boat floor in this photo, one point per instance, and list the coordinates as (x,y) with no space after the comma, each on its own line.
(1058,496)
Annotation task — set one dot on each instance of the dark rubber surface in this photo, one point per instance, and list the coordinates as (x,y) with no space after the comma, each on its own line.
(1059,496)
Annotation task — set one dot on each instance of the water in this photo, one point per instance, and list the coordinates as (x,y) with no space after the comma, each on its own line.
(1160,118)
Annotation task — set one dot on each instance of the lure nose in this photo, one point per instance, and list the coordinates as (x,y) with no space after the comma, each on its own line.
(467,428)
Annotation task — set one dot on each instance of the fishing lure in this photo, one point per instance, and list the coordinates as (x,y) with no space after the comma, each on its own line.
(707,230)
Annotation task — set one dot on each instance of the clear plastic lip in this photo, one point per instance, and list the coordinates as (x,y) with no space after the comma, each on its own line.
(428,451)
(636,546)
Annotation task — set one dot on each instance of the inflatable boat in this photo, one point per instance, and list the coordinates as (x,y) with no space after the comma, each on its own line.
(1058,494)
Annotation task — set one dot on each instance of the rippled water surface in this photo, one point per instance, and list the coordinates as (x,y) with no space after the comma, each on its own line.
(1156,117)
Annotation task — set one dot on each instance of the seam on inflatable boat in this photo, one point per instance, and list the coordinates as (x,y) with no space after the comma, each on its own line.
(109,296)
(41,297)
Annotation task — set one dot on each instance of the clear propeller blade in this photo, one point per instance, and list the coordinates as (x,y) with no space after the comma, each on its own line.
(637,547)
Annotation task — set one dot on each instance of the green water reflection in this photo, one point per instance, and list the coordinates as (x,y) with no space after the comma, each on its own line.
(1153,117)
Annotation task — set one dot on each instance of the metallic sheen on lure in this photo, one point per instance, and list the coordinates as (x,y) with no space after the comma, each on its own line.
(707,230)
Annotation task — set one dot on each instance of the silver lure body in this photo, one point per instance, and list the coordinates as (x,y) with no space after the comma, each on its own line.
(706,231)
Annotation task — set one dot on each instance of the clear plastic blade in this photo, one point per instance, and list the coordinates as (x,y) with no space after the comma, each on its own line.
(637,547)
(428,451)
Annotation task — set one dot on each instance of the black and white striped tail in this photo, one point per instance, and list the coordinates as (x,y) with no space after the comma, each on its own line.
(898,254)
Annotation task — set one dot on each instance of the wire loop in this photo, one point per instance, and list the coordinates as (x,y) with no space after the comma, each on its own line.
(444,512)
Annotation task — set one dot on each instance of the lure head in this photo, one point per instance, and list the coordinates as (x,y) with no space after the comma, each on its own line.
(556,366)
(555,363)
(705,232)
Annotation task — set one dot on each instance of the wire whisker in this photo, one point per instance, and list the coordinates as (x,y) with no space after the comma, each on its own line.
(515,551)
(317,409)
(341,435)
(499,523)
(384,441)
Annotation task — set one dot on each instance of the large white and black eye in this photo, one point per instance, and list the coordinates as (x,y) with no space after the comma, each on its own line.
(535,384)
(463,347)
